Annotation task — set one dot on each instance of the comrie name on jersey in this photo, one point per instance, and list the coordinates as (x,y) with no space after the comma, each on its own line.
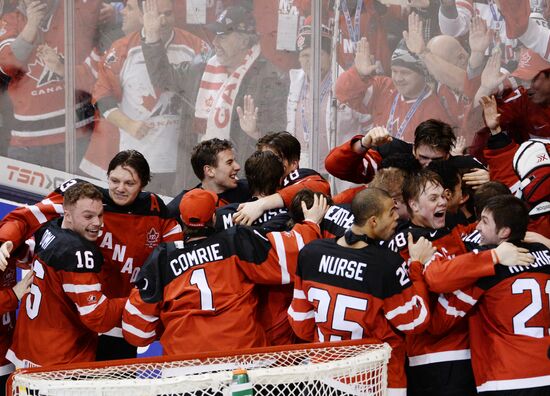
(195,257)
(339,266)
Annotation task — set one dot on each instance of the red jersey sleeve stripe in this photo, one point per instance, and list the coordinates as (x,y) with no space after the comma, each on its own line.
(449,309)
(281,253)
(83,311)
(72,288)
(411,304)
(38,214)
(300,316)
(137,332)
(299,294)
(465,297)
(57,207)
(175,230)
(299,239)
(132,309)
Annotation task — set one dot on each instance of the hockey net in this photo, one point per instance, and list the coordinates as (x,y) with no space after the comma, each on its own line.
(343,368)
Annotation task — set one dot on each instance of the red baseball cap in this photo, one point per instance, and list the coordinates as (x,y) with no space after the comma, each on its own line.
(530,64)
(197,207)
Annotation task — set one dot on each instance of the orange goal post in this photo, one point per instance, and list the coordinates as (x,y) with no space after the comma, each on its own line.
(338,368)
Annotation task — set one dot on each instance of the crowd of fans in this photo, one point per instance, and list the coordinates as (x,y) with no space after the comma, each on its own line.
(439,245)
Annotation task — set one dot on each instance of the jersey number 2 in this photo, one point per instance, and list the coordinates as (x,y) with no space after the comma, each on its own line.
(519,287)
(33,300)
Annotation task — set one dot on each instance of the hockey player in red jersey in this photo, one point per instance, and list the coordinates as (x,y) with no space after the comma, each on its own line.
(10,295)
(509,327)
(351,287)
(127,207)
(198,295)
(287,147)
(66,308)
(214,164)
(432,355)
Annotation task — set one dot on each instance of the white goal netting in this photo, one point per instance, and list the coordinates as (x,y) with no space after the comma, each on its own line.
(312,369)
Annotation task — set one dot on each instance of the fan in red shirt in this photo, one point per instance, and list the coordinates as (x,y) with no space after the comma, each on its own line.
(399,103)
(499,154)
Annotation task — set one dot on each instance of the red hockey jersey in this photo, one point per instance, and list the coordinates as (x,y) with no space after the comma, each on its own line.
(299,179)
(65,308)
(200,297)
(342,293)
(124,251)
(427,348)
(509,335)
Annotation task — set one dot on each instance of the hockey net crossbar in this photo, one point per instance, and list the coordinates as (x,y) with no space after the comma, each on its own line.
(343,368)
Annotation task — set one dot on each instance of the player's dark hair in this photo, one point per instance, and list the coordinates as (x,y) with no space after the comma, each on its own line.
(436,134)
(295,209)
(509,211)
(264,171)
(416,183)
(487,191)
(448,172)
(80,191)
(286,146)
(206,153)
(404,161)
(367,203)
(135,160)
(390,180)
(467,190)
(198,232)
(544,72)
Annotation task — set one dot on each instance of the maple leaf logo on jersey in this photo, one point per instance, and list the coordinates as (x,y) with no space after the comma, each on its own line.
(39,72)
(148,102)
(153,238)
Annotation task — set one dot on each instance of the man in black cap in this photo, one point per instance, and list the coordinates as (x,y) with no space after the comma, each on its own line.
(212,91)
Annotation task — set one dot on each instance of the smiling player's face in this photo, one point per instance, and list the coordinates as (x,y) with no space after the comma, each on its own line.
(430,207)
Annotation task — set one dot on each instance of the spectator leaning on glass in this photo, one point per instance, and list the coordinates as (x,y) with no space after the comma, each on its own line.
(236,69)
(147,121)
(27,34)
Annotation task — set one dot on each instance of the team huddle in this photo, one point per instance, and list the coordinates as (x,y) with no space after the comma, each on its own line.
(430,257)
